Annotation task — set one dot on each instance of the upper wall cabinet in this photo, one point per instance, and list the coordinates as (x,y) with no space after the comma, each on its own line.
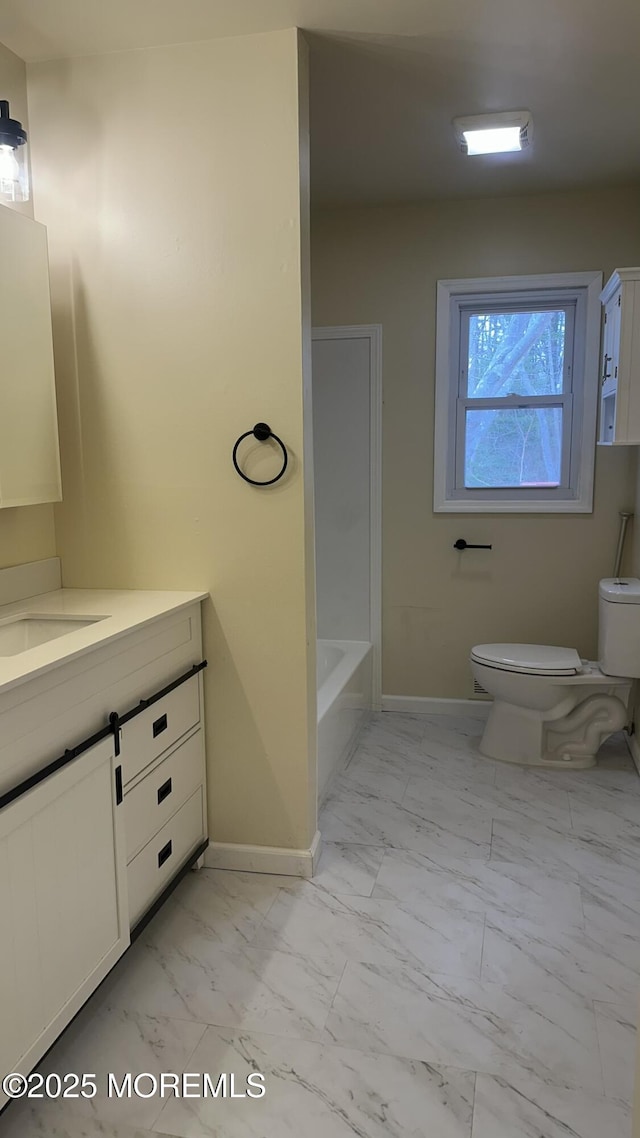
(29,454)
(620,393)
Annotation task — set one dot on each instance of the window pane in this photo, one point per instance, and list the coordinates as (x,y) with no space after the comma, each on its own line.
(515,353)
(520,446)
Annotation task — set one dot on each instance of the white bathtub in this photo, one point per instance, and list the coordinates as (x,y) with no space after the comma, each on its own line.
(344,703)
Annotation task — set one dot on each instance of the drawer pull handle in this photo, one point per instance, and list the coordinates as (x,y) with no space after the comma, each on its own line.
(159,726)
(164,791)
(118,785)
(165,853)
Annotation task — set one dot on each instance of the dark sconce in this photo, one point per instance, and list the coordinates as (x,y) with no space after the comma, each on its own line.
(14,165)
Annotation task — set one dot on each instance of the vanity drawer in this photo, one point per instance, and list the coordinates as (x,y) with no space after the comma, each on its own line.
(155,865)
(151,802)
(156,728)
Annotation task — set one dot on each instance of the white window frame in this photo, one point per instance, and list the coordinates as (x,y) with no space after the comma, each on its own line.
(580,294)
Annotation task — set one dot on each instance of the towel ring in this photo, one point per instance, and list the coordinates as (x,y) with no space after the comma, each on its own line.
(261,432)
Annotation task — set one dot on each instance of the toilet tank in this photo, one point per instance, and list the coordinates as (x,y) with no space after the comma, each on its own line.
(619,626)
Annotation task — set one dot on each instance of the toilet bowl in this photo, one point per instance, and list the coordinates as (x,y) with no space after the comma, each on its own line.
(551,717)
(551,708)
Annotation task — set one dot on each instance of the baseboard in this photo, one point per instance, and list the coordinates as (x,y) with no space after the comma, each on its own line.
(264,859)
(423,705)
(634,749)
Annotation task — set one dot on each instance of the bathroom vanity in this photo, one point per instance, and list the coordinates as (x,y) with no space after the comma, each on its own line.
(102,791)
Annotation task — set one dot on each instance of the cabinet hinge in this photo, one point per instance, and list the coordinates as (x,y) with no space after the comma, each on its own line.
(632,728)
(619,299)
(605,318)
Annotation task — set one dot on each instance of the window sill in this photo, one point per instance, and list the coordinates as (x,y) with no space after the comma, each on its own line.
(465,506)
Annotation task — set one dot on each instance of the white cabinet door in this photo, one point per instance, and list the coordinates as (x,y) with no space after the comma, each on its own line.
(63,902)
(620,392)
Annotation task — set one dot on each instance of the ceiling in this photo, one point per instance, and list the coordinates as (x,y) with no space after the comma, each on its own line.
(387,77)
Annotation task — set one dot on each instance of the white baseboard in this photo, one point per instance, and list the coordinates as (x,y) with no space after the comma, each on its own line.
(264,859)
(423,705)
(634,749)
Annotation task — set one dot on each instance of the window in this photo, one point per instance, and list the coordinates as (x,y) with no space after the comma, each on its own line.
(516,393)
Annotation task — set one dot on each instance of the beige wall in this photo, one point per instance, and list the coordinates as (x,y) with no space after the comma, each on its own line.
(540,581)
(26,533)
(170,180)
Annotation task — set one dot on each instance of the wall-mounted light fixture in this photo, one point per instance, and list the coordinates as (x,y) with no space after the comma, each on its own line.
(14,165)
(501,133)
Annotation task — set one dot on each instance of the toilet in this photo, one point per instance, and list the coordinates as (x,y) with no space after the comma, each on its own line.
(551,708)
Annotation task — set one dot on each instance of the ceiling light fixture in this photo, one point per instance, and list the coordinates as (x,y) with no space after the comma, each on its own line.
(14,167)
(502,133)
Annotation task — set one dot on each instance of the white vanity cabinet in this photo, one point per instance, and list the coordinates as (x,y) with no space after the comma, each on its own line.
(102,805)
(620,373)
(63,900)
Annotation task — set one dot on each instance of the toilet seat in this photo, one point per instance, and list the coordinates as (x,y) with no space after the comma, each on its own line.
(529,659)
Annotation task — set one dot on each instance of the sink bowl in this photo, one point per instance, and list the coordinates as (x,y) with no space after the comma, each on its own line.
(27,630)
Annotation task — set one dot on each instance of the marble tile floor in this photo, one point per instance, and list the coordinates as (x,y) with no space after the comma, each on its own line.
(465,964)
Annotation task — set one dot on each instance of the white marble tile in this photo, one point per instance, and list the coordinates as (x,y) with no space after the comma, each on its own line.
(390,738)
(348,868)
(104,1040)
(373,775)
(392,770)
(393,758)
(355,816)
(461,729)
(617,1031)
(440,731)
(610,810)
(527,956)
(433,799)
(222,906)
(352,814)
(512,775)
(194,979)
(395,725)
(448,766)
(577,857)
(52,1119)
(322,1092)
(316,925)
(423,838)
(611,903)
(528,1108)
(465,1023)
(461,814)
(474,885)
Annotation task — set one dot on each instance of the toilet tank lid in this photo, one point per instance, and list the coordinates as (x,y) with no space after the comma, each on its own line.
(621,590)
(532,659)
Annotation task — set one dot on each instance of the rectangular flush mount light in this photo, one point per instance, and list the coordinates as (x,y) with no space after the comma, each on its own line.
(502,133)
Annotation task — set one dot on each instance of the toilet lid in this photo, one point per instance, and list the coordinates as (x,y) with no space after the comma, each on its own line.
(534,659)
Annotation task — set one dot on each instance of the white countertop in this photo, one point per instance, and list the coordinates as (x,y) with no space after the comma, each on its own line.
(120,612)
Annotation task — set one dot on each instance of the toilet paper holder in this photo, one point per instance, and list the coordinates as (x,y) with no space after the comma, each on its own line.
(462,544)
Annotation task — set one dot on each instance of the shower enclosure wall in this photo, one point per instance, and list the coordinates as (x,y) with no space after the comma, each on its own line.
(346,421)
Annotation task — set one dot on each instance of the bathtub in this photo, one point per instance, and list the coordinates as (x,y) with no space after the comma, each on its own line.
(344,703)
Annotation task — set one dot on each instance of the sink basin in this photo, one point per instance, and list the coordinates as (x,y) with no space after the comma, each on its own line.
(27,630)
